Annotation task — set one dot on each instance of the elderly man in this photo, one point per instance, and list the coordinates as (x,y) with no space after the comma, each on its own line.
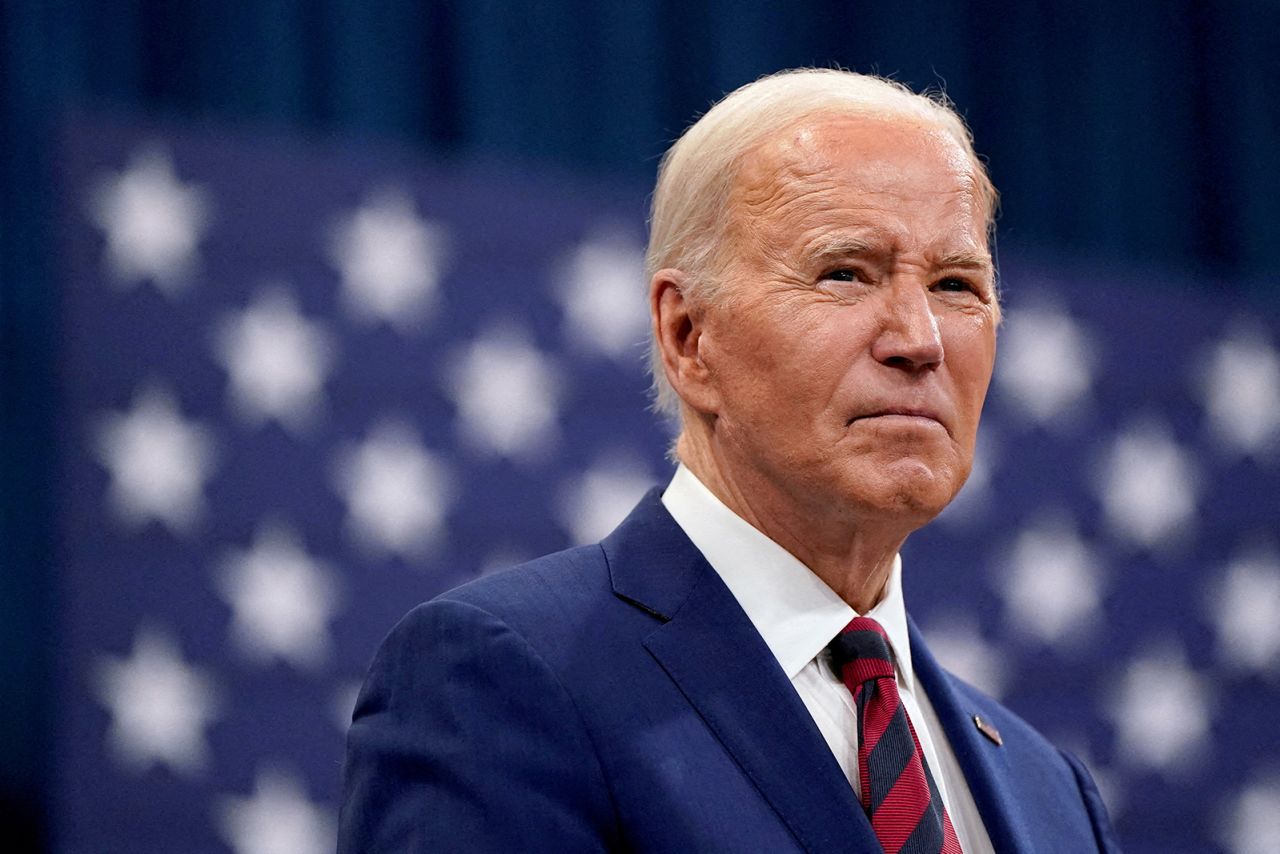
(733,668)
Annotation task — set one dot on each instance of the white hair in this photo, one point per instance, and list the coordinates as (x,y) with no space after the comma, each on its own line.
(687,221)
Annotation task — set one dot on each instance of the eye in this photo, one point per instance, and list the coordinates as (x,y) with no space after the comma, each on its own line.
(952,284)
(842,274)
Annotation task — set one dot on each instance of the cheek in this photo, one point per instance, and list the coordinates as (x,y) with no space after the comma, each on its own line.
(971,354)
(741,365)
(971,358)
(752,349)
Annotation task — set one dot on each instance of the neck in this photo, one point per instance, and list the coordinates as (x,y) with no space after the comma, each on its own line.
(852,553)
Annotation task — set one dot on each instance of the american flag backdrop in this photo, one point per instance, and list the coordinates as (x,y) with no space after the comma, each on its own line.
(304,386)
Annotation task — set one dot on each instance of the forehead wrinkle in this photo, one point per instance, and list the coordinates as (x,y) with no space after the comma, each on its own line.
(782,171)
(776,191)
(968,195)
(789,185)
(768,211)
(850,220)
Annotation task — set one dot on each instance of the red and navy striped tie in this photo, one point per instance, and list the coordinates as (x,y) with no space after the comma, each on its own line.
(898,792)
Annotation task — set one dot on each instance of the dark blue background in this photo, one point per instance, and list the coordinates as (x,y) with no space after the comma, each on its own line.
(1118,130)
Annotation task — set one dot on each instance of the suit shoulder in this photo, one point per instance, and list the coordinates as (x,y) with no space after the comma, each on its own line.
(546,601)
(550,583)
(530,605)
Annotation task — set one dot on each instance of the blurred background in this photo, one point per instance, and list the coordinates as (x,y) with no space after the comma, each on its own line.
(311,310)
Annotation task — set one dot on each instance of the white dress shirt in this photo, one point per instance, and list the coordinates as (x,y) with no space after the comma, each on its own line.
(797,614)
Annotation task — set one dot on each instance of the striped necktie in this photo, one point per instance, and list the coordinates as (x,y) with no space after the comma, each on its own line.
(898,792)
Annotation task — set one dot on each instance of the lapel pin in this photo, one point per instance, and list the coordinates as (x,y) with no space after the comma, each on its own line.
(988,730)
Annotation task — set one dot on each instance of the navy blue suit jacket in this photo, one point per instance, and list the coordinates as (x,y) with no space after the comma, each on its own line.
(616,697)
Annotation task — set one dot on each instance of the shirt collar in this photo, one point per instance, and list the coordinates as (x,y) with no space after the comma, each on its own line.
(793,609)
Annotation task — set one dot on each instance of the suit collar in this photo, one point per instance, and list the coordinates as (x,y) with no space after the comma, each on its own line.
(710,649)
(794,610)
(986,765)
(652,564)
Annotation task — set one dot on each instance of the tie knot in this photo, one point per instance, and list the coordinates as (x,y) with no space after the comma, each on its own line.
(861,650)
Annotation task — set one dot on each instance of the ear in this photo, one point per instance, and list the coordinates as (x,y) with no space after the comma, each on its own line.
(678,326)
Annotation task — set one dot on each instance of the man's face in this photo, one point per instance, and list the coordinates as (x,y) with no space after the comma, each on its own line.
(851,356)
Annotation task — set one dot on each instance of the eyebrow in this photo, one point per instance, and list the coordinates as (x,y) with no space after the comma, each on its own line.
(844,246)
(967,261)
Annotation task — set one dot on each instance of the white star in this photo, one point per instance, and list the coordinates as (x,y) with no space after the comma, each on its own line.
(593,504)
(159,706)
(1241,392)
(602,291)
(390,261)
(1052,584)
(1247,610)
(277,819)
(276,360)
(961,648)
(1046,364)
(1252,824)
(396,492)
(281,599)
(152,222)
(507,394)
(1148,487)
(158,462)
(1161,711)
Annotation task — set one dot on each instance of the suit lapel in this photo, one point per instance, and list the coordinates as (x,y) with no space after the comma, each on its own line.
(713,653)
(985,764)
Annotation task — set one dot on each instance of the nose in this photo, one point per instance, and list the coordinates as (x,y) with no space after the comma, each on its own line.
(909,337)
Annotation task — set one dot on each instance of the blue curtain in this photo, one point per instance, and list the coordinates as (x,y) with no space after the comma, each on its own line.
(1125,130)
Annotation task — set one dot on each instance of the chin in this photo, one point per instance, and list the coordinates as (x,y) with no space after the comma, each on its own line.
(910,487)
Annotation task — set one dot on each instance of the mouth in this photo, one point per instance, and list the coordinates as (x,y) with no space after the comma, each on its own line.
(907,415)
